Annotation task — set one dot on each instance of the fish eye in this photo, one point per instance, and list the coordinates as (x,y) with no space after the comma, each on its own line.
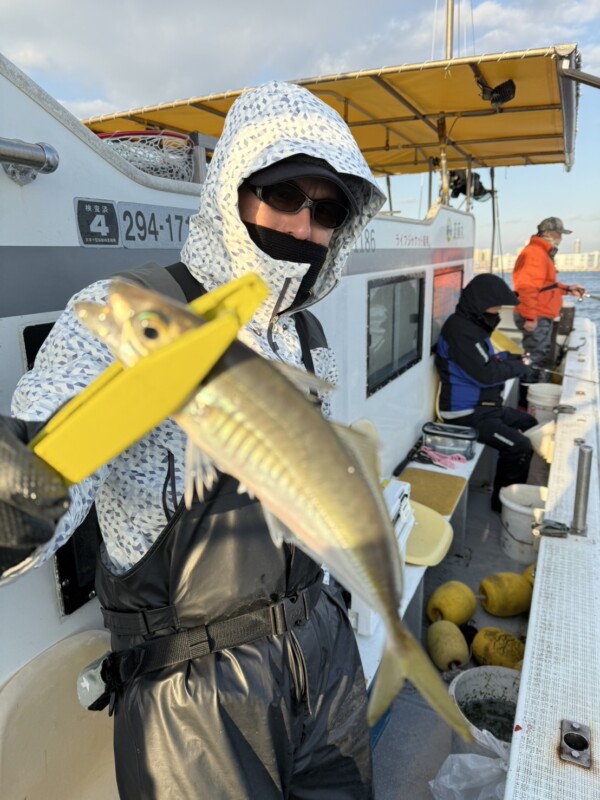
(150,332)
(152,325)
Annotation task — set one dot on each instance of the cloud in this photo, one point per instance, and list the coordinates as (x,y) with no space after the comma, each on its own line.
(116,55)
(131,54)
(29,57)
(83,109)
(144,52)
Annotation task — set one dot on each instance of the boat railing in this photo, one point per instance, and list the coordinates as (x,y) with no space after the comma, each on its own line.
(23,161)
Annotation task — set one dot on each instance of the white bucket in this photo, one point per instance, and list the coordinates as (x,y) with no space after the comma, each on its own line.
(541,399)
(542,439)
(522,505)
(487,698)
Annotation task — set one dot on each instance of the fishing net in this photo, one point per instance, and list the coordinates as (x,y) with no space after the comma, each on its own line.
(163,153)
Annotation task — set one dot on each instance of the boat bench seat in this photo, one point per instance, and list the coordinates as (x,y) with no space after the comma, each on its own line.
(51,748)
(443,490)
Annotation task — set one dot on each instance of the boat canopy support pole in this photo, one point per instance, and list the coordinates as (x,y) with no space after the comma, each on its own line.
(469,185)
(580,77)
(443,161)
(203,146)
(389,191)
(22,161)
(430,184)
(494,217)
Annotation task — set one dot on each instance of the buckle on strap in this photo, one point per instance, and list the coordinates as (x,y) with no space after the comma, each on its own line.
(290,612)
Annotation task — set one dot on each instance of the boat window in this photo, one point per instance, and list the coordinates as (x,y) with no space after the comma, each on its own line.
(75,564)
(33,338)
(394,328)
(447,286)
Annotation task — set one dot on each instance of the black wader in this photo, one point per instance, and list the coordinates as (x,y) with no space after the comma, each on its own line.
(282,715)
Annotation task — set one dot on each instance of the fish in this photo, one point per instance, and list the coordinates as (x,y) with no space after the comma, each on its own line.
(318,481)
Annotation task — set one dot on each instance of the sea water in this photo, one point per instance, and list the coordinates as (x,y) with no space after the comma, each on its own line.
(587,307)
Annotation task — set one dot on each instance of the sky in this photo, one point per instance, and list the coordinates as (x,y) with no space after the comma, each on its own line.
(112,55)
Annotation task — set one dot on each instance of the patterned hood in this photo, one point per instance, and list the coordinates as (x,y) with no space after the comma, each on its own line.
(265,125)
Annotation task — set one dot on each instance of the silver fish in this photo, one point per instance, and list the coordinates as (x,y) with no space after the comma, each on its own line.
(318,482)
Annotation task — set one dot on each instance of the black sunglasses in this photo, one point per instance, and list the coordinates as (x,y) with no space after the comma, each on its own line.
(290,199)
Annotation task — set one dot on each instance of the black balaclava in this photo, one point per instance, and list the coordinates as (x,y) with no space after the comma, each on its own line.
(483,292)
(284,247)
(489,321)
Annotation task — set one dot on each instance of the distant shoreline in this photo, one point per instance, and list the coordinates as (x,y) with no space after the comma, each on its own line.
(499,271)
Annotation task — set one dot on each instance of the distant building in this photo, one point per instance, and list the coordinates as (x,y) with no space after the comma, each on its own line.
(565,262)
(578,262)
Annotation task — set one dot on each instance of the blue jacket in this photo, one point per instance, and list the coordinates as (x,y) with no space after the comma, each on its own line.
(472,374)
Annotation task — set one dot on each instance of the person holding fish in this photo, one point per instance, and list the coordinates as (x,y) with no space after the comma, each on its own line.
(234,671)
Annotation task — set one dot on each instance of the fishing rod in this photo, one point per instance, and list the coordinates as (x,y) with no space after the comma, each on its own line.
(526,359)
(567,375)
(588,296)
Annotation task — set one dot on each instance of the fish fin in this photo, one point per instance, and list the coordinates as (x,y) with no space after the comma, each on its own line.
(279,532)
(403,657)
(241,489)
(367,428)
(303,380)
(362,440)
(200,473)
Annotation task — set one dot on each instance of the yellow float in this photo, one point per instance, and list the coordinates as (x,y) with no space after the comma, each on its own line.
(505,594)
(497,648)
(453,601)
(446,645)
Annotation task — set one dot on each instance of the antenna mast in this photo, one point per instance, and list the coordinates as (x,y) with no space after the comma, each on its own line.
(449,28)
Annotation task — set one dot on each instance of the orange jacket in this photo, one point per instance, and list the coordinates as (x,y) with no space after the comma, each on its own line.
(534,281)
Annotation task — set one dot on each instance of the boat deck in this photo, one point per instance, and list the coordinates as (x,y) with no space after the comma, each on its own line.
(416,741)
(557,715)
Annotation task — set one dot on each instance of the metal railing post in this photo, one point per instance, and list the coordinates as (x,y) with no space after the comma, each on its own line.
(582,488)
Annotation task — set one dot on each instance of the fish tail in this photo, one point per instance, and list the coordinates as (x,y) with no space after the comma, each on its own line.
(403,657)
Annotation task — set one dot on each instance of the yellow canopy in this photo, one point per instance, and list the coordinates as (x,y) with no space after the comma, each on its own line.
(401,115)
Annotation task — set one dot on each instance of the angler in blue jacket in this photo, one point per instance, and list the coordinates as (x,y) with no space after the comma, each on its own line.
(473,377)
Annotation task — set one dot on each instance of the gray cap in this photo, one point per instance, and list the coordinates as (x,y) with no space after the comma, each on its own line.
(302,166)
(552,224)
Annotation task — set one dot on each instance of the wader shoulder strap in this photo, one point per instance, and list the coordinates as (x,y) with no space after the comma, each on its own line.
(175,281)
(311,335)
(549,288)
(190,287)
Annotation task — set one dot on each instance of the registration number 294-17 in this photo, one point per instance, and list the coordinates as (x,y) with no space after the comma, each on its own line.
(103,223)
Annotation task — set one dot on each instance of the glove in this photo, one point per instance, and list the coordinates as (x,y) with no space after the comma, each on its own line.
(33,496)
(530,375)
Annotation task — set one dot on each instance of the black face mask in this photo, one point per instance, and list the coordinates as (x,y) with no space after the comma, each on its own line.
(489,321)
(283,247)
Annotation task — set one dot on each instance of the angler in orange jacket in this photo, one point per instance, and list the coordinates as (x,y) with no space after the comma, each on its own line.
(540,294)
